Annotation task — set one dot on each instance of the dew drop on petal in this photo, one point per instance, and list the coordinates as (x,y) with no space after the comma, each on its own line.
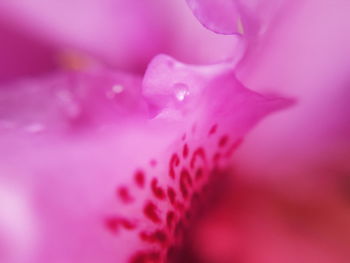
(181,91)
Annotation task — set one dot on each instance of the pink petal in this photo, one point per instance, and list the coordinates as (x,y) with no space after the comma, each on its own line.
(251,18)
(118,33)
(96,177)
(219,16)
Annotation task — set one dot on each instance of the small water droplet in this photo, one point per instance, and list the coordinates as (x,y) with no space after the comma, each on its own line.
(181,91)
(116,89)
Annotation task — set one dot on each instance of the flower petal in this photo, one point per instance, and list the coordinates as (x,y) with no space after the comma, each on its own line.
(251,18)
(103,184)
(219,16)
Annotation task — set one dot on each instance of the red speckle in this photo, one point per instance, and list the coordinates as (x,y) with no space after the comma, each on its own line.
(223,140)
(185,180)
(145,257)
(158,236)
(174,161)
(124,194)
(199,174)
(198,153)
(186,177)
(139,178)
(157,191)
(172,172)
(114,223)
(183,189)
(127,224)
(185,151)
(150,211)
(170,219)
(171,195)
(213,129)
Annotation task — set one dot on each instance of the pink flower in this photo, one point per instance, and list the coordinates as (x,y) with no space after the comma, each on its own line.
(103,165)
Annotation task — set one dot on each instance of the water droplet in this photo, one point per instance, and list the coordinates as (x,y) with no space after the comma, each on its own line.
(181,91)
(116,89)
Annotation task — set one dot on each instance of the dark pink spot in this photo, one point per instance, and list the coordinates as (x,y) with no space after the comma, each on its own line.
(157,191)
(172,172)
(150,211)
(145,257)
(184,137)
(114,223)
(127,224)
(198,153)
(223,140)
(185,151)
(213,129)
(170,219)
(183,189)
(139,178)
(185,182)
(124,194)
(186,177)
(158,236)
(171,195)
(174,161)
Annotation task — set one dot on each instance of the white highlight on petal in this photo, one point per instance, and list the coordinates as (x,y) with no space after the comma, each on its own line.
(18,231)
(181,91)
(116,89)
